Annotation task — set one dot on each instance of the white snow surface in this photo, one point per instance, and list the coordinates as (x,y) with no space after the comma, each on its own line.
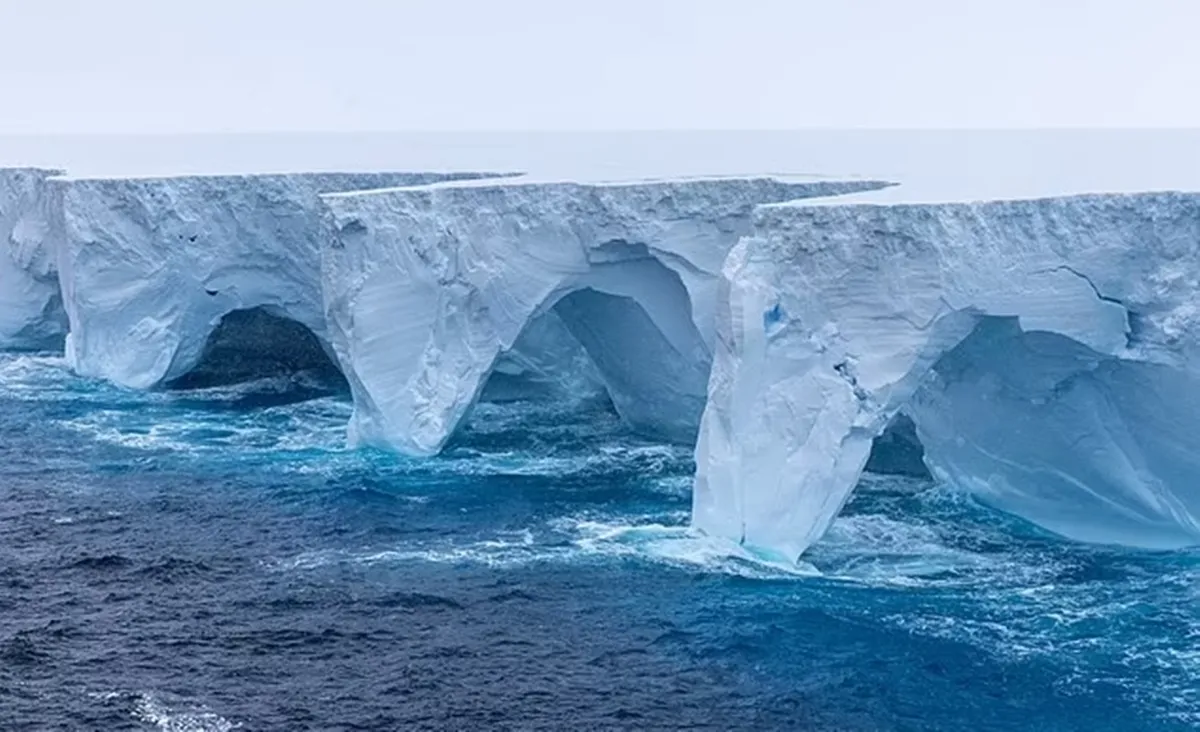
(149,266)
(1046,350)
(427,289)
(31,315)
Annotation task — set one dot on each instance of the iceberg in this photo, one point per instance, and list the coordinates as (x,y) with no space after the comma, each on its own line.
(431,290)
(149,267)
(1045,350)
(31,314)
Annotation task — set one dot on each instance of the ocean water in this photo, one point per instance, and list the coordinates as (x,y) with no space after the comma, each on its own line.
(215,559)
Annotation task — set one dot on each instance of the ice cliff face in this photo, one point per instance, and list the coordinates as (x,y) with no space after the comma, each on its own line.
(31,314)
(1045,349)
(428,289)
(1044,352)
(150,266)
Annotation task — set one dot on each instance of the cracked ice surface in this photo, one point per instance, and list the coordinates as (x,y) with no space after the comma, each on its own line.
(427,288)
(149,266)
(1046,350)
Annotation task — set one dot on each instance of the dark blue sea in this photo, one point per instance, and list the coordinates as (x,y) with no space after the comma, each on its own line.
(215,559)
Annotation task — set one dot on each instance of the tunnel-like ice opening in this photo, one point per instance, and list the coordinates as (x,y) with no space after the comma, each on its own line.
(546,363)
(1043,348)
(634,320)
(898,451)
(256,343)
(1089,446)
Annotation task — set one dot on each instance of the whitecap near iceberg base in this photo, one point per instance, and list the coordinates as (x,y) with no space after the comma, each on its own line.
(1045,349)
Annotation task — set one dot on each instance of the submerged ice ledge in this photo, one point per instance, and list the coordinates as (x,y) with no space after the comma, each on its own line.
(1045,349)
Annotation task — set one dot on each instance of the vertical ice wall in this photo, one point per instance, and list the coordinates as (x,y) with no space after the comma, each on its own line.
(31,314)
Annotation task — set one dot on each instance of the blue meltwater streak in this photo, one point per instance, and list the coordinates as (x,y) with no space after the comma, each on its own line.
(216,560)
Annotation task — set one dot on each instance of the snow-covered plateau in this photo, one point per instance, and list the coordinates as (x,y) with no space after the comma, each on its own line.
(1046,350)
(428,287)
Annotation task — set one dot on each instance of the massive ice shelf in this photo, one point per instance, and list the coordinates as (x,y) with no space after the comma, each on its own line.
(428,288)
(31,314)
(1046,349)
(150,266)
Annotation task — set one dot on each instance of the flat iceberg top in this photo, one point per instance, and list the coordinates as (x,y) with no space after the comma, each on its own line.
(1023,162)
(894,197)
(780,225)
(382,178)
(26,170)
(534,184)
(975,190)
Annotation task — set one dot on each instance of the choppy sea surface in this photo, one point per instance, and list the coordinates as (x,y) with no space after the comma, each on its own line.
(215,559)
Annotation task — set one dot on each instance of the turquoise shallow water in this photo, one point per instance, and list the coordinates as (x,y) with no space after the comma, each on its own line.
(214,559)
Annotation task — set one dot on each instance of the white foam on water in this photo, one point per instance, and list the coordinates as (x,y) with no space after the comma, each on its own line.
(576,540)
(878,550)
(681,547)
(650,459)
(505,550)
(176,715)
(151,710)
(35,376)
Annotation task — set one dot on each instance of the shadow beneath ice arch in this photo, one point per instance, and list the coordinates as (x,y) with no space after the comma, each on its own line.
(898,451)
(279,360)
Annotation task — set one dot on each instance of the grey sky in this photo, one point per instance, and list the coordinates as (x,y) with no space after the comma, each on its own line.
(242,65)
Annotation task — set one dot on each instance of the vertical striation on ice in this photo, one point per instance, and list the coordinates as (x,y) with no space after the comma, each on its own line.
(31,314)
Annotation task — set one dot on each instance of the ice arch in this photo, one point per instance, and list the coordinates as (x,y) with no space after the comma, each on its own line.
(427,288)
(150,266)
(1092,447)
(635,325)
(1035,343)
(898,450)
(546,363)
(255,343)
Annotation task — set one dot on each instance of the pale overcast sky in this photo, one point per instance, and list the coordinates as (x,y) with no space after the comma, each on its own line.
(99,66)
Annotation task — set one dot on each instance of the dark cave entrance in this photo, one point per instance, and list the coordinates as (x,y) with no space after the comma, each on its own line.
(898,451)
(254,345)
